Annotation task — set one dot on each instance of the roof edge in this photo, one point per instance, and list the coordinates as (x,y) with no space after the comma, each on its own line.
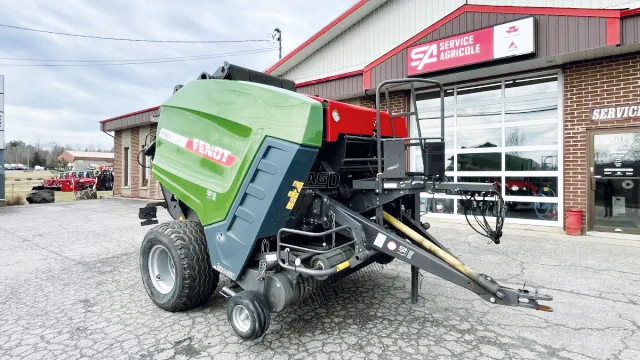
(317,35)
(329,78)
(630,12)
(130,114)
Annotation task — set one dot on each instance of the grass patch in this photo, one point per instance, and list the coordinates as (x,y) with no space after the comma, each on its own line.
(15,200)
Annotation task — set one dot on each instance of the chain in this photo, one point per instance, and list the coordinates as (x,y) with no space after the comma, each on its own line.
(265,245)
(333,226)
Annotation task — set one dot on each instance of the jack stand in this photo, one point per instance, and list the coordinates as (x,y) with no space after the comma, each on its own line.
(414,284)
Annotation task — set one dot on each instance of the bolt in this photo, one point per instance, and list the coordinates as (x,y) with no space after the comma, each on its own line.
(492,299)
(158,276)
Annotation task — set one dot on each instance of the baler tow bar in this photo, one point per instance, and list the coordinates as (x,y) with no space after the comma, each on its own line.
(420,253)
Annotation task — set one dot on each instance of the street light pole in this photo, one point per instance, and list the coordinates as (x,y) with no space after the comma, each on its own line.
(277,36)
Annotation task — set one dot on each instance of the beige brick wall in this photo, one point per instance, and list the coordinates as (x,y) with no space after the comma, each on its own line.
(133,138)
(589,84)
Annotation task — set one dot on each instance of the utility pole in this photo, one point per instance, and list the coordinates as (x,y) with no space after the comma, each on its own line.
(277,36)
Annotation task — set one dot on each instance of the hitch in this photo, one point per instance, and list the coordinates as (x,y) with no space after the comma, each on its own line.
(433,259)
(149,213)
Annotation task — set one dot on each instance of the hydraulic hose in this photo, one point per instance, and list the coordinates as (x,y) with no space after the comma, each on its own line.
(443,255)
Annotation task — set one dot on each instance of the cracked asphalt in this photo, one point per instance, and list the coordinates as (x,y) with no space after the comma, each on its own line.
(70,288)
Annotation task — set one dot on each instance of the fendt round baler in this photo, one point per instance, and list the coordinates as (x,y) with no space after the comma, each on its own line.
(285,193)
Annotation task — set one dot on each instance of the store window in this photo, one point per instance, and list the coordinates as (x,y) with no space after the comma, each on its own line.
(506,132)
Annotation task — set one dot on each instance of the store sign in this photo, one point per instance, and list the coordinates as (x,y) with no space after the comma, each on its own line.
(497,42)
(620,112)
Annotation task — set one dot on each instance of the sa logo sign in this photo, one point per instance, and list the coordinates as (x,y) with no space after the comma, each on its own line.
(423,55)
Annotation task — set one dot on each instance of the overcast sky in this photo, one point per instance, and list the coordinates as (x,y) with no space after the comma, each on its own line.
(64,104)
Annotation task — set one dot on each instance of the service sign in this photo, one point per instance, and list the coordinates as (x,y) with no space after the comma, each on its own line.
(619,112)
(497,42)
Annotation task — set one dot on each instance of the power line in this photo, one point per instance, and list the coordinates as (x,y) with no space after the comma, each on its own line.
(126,60)
(134,40)
(137,62)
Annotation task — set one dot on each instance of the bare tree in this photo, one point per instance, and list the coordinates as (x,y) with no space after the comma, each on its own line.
(515,138)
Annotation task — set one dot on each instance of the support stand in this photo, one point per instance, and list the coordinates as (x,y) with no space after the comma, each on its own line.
(415,284)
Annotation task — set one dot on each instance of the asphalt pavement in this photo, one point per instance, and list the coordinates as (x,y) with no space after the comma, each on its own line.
(70,288)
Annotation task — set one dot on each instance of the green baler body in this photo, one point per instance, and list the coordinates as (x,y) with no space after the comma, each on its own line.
(209,119)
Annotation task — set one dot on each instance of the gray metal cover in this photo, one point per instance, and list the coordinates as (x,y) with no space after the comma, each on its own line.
(135,120)
(630,30)
(335,89)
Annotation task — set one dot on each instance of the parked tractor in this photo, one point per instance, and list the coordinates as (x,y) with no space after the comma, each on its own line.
(283,193)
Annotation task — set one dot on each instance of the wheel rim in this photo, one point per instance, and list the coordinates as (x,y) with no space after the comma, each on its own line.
(241,318)
(162,269)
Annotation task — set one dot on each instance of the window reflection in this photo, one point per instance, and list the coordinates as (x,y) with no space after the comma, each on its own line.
(478,207)
(443,206)
(479,93)
(543,160)
(432,99)
(448,138)
(531,135)
(532,210)
(478,115)
(531,109)
(481,138)
(617,154)
(480,162)
(532,186)
(430,120)
(535,86)
(481,179)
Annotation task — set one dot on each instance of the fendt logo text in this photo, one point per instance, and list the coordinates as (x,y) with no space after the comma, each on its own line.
(424,55)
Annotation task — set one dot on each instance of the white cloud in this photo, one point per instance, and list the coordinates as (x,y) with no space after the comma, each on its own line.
(64,104)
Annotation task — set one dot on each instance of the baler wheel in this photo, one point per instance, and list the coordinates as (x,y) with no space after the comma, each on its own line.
(175,254)
(249,314)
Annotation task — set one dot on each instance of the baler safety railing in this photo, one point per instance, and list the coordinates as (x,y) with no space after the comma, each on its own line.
(385,85)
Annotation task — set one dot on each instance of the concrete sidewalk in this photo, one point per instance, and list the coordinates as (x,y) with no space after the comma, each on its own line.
(549,232)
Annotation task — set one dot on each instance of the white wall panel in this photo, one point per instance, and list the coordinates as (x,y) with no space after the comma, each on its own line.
(398,20)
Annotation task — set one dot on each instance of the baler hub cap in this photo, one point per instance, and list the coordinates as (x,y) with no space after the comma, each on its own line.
(162,269)
(241,318)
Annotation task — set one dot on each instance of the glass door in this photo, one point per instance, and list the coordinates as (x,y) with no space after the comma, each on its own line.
(615,181)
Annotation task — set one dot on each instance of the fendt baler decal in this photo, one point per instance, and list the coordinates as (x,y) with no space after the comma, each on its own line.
(214,153)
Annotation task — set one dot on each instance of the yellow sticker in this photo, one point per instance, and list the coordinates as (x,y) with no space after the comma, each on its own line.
(546,188)
(293,194)
(342,266)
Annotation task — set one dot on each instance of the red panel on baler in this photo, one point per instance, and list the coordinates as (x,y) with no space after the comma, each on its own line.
(358,120)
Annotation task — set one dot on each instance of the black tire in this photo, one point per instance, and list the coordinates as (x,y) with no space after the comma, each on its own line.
(258,311)
(195,279)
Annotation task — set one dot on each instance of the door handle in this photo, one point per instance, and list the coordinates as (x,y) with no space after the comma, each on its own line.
(593,183)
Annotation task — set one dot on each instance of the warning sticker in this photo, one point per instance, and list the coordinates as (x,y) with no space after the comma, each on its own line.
(293,194)
(380,238)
